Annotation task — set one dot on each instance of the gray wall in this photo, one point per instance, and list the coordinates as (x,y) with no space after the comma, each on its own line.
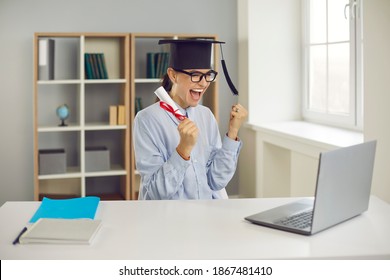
(19,19)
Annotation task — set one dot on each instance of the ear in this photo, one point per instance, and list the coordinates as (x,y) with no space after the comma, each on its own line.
(172,75)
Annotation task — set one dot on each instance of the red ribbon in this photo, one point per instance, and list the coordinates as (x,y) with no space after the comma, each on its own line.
(169,108)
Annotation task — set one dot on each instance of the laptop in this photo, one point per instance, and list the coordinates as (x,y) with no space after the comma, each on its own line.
(342,192)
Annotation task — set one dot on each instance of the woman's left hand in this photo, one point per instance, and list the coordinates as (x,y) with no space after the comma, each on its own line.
(237,116)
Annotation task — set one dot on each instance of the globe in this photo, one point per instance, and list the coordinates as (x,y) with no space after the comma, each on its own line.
(63,113)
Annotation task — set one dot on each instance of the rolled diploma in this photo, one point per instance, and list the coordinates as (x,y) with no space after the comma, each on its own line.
(164,96)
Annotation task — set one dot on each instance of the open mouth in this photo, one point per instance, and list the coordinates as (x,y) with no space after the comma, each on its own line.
(196,93)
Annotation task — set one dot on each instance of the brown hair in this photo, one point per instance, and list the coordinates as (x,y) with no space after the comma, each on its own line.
(166,83)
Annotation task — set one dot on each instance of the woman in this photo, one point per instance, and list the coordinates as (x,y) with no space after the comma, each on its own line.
(186,159)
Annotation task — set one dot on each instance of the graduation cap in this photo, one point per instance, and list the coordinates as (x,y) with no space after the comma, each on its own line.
(195,54)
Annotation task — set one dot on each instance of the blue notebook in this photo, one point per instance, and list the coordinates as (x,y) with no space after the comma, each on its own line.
(72,208)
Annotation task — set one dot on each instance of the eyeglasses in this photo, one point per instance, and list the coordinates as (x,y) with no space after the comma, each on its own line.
(197,76)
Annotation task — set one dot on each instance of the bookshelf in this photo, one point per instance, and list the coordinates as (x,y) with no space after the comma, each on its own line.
(142,88)
(90,101)
(88,122)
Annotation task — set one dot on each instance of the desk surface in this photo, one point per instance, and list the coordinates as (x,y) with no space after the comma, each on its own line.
(201,230)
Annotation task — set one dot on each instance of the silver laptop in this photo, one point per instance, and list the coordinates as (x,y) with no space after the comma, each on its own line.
(342,192)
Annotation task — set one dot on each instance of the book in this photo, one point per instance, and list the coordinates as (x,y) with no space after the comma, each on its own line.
(95,66)
(102,66)
(138,104)
(121,115)
(113,115)
(156,64)
(163,64)
(99,65)
(150,65)
(61,231)
(88,66)
(46,48)
(71,208)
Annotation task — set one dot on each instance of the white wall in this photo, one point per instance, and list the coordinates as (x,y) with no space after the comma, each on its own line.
(273,90)
(377,89)
(269,34)
(274,33)
(19,19)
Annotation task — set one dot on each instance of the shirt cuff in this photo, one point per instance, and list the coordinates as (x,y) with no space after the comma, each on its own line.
(230,144)
(178,160)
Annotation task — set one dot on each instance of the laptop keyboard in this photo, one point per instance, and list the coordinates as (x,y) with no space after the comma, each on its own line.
(301,220)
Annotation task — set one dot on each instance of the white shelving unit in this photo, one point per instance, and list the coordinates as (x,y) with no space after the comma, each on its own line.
(88,125)
(89,101)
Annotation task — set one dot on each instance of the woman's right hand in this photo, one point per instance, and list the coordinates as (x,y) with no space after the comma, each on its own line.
(188,137)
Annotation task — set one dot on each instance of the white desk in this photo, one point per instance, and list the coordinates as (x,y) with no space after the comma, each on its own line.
(201,230)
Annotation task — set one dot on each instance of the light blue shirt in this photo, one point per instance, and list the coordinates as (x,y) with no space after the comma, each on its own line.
(164,173)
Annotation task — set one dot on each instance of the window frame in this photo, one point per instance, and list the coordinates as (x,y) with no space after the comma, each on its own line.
(355,118)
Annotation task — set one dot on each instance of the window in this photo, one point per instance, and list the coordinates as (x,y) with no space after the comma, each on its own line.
(332,64)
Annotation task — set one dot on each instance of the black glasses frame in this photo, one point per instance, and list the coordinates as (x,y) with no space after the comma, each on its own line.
(199,75)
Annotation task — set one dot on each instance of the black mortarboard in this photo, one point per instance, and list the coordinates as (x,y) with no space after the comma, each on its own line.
(195,54)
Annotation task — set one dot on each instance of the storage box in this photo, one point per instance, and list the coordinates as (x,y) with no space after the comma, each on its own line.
(97,159)
(52,161)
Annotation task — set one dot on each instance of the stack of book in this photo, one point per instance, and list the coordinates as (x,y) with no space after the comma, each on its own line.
(117,115)
(95,66)
(63,221)
(157,64)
